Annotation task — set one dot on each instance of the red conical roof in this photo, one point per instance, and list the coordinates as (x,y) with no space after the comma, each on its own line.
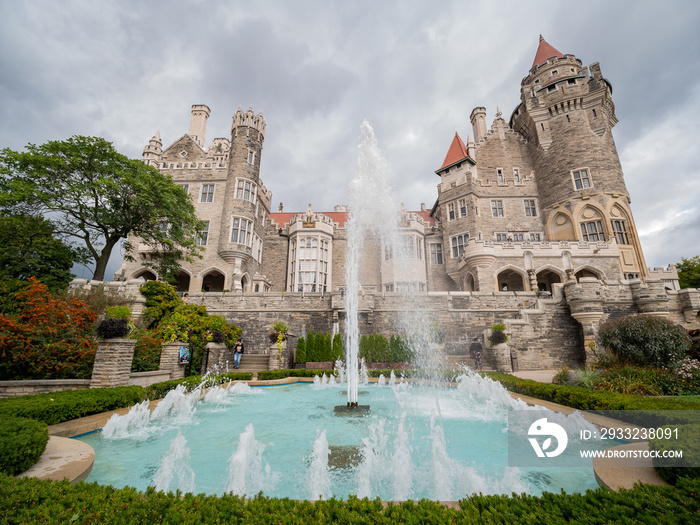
(545,51)
(457,152)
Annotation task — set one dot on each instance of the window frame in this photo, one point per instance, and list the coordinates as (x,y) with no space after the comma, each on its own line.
(586,232)
(458,244)
(530,207)
(202,238)
(203,194)
(436,253)
(497,208)
(585,181)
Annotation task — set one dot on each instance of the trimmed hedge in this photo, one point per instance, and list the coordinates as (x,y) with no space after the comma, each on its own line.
(585,399)
(689,442)
(57,407)
(29,501)
(22,442)
(159,390)
(268,375)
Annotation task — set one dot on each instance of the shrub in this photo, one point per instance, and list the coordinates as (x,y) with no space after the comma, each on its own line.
(22,442)
(48,337)
(111,328)
(685,467)
(28,500)
(118,312)
(57,407)
(644,340)
(161,301)
(159,390)
(218,337)
(301,351)
(146,351)
(338,352)
(498,335)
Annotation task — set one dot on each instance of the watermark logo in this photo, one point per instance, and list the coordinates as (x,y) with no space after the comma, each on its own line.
(542,427)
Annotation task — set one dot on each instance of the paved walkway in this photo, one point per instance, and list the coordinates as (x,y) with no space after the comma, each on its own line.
(543,376)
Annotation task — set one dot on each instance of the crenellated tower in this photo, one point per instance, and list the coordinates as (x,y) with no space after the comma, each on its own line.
(566,114)
(246,201)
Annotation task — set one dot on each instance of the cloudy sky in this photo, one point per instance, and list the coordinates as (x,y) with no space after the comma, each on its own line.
(415,69)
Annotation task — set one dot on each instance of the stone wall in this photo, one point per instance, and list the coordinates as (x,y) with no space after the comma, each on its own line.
(40,386)
(543,333)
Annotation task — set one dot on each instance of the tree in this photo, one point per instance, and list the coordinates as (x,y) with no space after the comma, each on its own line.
(689,272)
(29,248)
(92,193)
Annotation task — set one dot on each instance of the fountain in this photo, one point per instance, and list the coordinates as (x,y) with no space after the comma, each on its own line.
(420,441)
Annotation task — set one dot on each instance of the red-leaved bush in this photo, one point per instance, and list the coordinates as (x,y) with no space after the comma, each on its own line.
(50,338)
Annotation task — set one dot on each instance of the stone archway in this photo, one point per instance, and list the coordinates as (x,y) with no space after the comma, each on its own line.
(144,274)
(213,282)
(182,281)
(510,281)
(587,272)
(546,278)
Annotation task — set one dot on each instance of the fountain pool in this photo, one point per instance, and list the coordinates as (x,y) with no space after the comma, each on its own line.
(417,442)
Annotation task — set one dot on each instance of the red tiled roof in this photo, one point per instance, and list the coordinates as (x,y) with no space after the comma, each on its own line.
(545,51)
(426,217)
(458,151)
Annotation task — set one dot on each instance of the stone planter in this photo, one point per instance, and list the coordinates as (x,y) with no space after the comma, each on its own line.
(277,361)
(170,359)
(215,356)
(112,363)
(500,357)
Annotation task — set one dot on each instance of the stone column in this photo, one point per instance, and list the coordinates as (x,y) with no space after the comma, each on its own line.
(217,352)
(585,300)
(170,359)
(112,363)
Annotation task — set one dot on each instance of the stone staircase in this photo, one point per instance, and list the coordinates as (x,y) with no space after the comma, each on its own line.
(252,363)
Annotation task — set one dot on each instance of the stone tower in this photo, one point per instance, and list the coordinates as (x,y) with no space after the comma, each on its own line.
(246,202)
(566,115)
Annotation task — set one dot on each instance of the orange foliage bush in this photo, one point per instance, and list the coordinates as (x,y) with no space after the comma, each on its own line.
(50,338)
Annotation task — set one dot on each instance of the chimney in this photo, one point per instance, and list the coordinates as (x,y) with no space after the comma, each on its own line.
(198,124)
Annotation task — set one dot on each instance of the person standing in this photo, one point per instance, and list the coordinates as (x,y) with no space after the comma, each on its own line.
(238,350)
(475,350)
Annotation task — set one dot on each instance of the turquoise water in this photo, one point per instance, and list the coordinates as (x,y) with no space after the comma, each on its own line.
(416,442)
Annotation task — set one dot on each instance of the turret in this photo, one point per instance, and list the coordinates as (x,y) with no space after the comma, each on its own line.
(198,123)
(478,120)
(153,151)
(567,117)
(247,202)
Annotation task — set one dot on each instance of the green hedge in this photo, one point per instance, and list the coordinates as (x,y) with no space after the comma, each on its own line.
(29,501)
(57,407)
(689,442)
(585,399)
(159,390)
(268,375)
(22,442)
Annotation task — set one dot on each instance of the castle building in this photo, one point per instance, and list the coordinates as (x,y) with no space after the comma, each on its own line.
(527,203)
(531,227)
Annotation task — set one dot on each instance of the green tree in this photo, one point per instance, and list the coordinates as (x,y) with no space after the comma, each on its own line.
(29,248)
(689,272)
(96,196)
(301,351)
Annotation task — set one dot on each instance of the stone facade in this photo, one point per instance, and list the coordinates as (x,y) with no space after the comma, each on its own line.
(532,216)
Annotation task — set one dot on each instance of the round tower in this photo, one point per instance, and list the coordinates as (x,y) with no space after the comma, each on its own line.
(567,115)
(246,203)
(153,151)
